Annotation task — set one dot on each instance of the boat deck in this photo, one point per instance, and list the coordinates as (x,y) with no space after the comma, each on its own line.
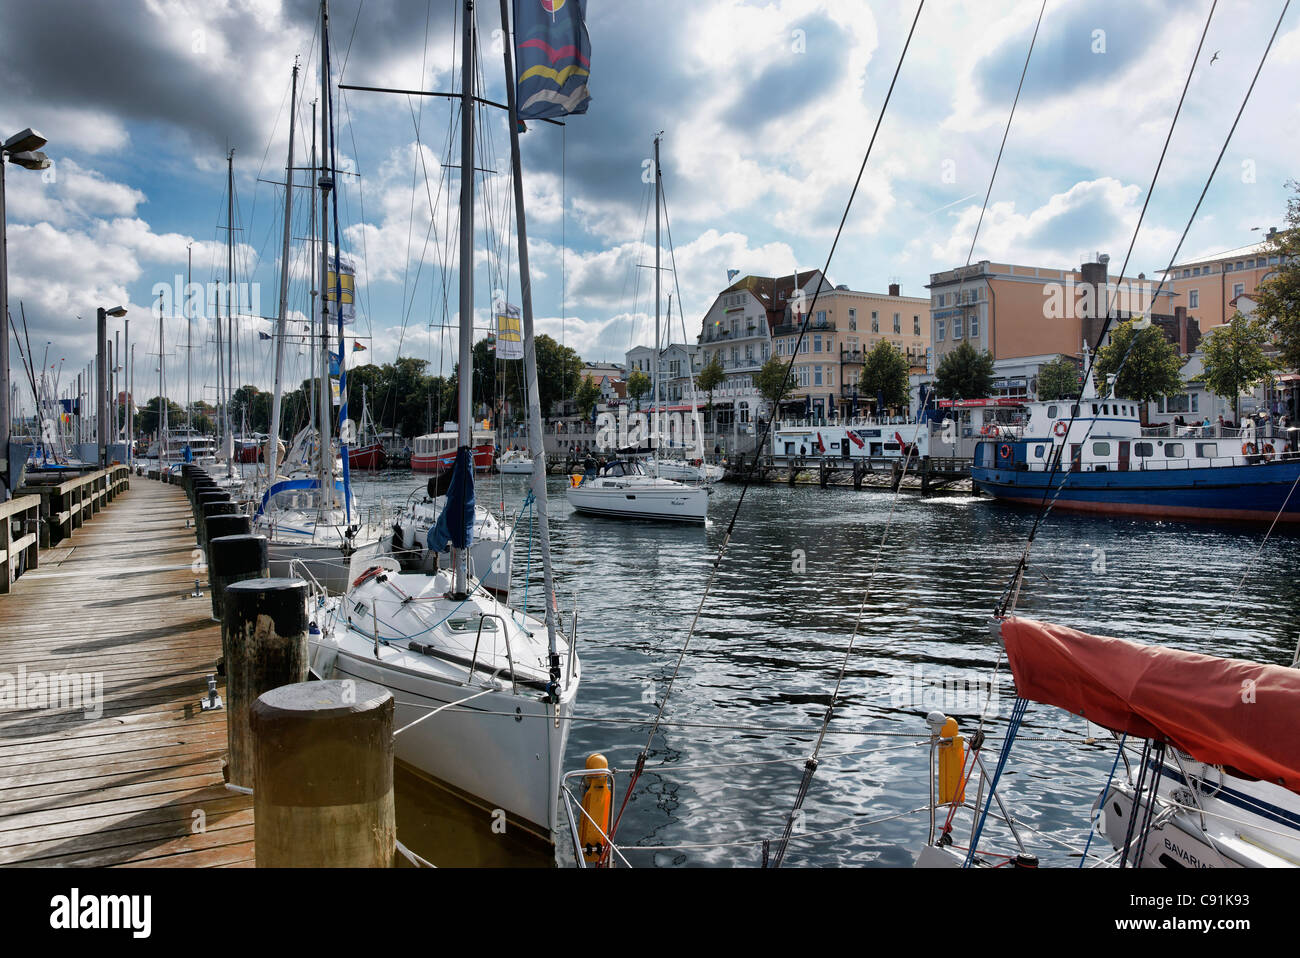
(141,784)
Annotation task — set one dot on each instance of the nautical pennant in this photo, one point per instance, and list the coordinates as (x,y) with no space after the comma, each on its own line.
(552,58)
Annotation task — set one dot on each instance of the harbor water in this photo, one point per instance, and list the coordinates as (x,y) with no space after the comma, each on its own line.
(806,573)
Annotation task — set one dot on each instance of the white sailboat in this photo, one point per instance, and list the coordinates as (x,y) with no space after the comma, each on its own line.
(484,692)
(625,489)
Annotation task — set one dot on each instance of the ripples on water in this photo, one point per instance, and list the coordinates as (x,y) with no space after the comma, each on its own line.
(771,640)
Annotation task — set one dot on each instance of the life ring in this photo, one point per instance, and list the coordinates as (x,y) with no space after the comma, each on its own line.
(1004,451)
(370,573)
(1268,449)
(1061,427)
(1248,449)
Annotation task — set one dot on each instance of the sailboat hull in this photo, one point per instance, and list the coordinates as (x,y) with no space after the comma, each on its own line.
(325,563)
(368,457)
(500,750)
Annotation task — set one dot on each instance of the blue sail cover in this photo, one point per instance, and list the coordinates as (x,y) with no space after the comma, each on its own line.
(455,524)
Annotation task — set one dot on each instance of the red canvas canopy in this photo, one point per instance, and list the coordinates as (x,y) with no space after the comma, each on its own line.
(1220,711)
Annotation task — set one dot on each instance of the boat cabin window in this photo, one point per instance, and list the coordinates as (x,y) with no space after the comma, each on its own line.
(1074,411)
(1101,449)
(1143,449)
(1174,450)
(1038,451)
(1207,450)
(891,447)
(1094,409)
(1051,412)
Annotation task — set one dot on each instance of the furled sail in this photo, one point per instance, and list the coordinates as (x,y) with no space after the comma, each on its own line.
(455,523)
(1220,711)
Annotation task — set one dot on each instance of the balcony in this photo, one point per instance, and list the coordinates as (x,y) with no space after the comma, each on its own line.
(792,329)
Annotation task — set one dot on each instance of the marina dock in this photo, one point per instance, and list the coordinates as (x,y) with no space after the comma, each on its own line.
(109,607)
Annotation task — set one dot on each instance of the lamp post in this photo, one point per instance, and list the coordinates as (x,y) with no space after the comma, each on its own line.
(101,378)
(22,149)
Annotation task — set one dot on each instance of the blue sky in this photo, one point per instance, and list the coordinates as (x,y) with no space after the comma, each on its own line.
(766,109)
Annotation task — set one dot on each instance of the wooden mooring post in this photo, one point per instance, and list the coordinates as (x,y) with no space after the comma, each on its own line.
(264,646)
(323,754)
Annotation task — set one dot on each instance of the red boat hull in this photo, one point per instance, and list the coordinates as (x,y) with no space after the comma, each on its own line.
(367,457)
(484,459)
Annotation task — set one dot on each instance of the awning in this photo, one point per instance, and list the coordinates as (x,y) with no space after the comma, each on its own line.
(1220,711)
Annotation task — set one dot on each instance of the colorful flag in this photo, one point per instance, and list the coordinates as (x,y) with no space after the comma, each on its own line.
(510,334)
(732,274)
(357,347)
(552,58)
(262,335)
(341,287)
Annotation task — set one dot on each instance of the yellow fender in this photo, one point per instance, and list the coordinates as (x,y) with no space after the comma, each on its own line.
(952,762)
(597,802)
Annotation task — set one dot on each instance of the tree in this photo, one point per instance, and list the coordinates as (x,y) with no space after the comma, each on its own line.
(884,376)
(770,381)
(1058,379)
(588,396)
(559,372)
(1278,297)
(709,379)
(1147,364)
(964,373)
(1234,359)
(147,416)
(638,384)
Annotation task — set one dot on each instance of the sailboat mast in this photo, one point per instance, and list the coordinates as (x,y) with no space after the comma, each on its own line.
(536,446)
(189,338)
(325,182)
(654,431)
(273,450)
(230,311)
(315,278)
(466,378)
(162,386)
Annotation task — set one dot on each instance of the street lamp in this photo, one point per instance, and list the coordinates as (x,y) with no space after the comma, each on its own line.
(22,149)
(101,368)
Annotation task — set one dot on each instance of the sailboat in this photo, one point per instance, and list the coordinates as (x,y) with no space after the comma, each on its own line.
(625,488)
(369,452)
(312,521)
(484,692)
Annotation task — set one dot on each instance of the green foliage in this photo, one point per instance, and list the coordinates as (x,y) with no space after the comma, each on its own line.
(1235,362)
(770,381)
(1278,297)
(964,373)
(1152,368)
(146,419)
(588,396)
(1058,379)
(710,378)
(638,385)
(884,375)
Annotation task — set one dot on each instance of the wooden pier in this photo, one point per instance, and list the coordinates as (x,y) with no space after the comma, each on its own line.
(140,784)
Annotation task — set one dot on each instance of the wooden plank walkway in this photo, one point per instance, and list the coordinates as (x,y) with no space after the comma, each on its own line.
(141,784)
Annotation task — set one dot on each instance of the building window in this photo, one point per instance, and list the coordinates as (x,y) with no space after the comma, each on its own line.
(821,317)
(875,321)
(938,330)
(1238,289)
(1194,299)
(817,343)
(817,375)
(898,323)
(853,318)
(916,325)
(975,327)
(956,327)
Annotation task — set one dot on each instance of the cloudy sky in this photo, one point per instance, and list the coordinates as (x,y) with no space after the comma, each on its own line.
(766,107)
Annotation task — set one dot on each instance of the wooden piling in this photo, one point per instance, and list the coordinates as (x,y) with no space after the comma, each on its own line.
(324,769)
(264,646)
(234,558)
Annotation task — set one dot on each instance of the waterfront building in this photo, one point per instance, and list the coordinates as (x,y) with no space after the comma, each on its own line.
(845,325)
(1207,286)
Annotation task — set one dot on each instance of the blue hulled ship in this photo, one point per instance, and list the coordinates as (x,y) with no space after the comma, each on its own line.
(1095,456)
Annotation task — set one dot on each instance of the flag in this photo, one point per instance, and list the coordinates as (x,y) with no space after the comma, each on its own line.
(510,334)
(341,287)
(732,274)
(334,363)
(552,58)
(262,335)
(357,347)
